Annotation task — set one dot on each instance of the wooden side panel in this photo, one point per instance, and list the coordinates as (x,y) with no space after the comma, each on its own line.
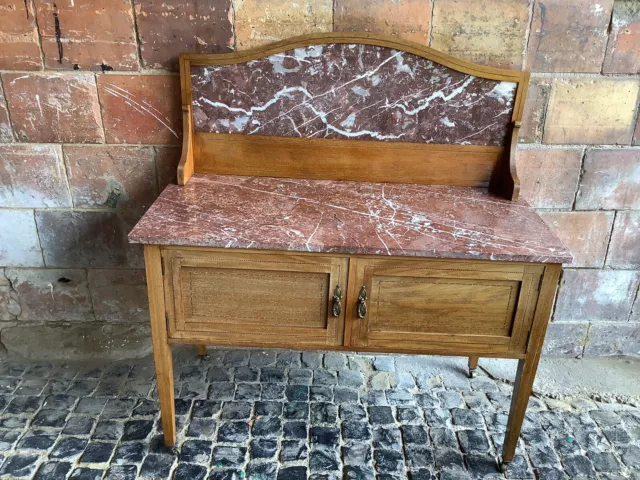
(418,304)
(356,160)
(253,299)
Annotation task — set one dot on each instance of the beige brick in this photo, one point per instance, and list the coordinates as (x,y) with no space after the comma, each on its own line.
(549,176)
(610,180)
(591,111)
(94,34)
(624,249)
(586,234)
(406,19)
(19,49)
(94,171)
(596,295)
(33,176)
(482,31)
(264,21)
(623,49)
(54,108)
(534,110)
(141,108)
(568,36)
(171,27)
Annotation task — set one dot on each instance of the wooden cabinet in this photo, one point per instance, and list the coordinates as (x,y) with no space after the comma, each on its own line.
(287,300)
(254,299)
(431,305)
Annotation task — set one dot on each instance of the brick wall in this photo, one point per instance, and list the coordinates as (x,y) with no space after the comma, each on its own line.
(89,102)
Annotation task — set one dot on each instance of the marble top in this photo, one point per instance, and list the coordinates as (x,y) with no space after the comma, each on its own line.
(347,217)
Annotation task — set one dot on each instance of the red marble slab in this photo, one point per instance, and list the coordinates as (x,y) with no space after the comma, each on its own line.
(347,217)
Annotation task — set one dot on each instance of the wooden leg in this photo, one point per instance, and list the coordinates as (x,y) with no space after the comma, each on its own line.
(202,350)
(528,366)
(161,348)
(473,364)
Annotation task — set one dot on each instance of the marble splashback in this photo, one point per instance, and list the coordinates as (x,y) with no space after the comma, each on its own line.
(352,91)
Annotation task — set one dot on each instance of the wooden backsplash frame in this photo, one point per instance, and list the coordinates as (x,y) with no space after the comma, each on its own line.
(356,160)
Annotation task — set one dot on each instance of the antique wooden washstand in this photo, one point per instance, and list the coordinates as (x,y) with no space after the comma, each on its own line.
(350,192)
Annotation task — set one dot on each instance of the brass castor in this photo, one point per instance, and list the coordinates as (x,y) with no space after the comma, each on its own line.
(473,373)
(503,466)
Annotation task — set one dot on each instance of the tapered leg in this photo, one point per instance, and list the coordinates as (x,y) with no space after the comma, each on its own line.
(202,350)
(161,348)
(528,366)
(473,364)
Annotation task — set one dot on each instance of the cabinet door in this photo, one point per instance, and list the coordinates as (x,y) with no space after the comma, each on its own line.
(229,298)
(442,306)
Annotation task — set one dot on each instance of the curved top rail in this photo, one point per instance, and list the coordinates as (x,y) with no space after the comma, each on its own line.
(491,73)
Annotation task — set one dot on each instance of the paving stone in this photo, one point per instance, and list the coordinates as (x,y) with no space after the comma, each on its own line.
(97,452)
(247,391)
(519,468)
(448,458)
(578,466)
(264,447)
(196,451)
(444,437)
(266,427)
(345,395)
(296,411)
(356,452)
(387,438)
(24,405)
(83,473)
(226,474)
(292,473)
(38,440)
(321,394)
(384,364)
(108,430)
(418,456)
(380,381)
(235,411)
(50,418)
(323,412)
(300,376)
(130,453)
(323,458)
(327,436)
(156,466)
(189,471)
(122,472)
(262,359)
(234,432)
(605,462)
(324,378)
(137,429)
(205,408)
(356,431)
(631,456)
(295,429)
(380,415)
(293,450)
(69,448)
(269,408)
(390,461)
(221,391)
(273,375)
(201,427)
(335,361)
(467,418)
(53,470)
(228,456)
(473,441)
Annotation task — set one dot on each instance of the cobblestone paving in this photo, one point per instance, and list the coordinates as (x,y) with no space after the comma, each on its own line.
(291,415)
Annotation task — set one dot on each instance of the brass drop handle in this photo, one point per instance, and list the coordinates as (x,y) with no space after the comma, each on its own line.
(362,302)
(337,301)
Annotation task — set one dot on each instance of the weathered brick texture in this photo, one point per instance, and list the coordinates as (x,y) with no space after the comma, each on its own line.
(568,36)
(93,104)
(93,34)
(408,19)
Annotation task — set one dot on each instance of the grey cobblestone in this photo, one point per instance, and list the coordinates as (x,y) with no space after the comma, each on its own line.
(263,414)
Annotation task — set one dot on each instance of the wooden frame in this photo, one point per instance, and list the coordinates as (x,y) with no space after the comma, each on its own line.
(359,160)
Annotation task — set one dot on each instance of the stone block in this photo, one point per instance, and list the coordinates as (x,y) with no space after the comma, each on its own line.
(624,248)
(535,110)
(265,21)
(51,295)
(141,108)
(613,339)
(78,342)
(610,180)
(172,27)
(591,111)
(94,171)
(54,108)
(568,36)
(9,305)
(623,49)
(549,176)
(6,133)
(94,34)
(167,159)
(119,295)
(596,295)
(586,234)
(19,48)
(565,339)
(475,32)
(82,238)
(19,243)
(406,19)
(33,176)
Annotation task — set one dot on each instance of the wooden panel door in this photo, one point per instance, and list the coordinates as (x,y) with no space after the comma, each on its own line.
(230,298)
(441,306)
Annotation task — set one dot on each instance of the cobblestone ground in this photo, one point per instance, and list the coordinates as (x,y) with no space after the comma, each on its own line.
(291,415)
